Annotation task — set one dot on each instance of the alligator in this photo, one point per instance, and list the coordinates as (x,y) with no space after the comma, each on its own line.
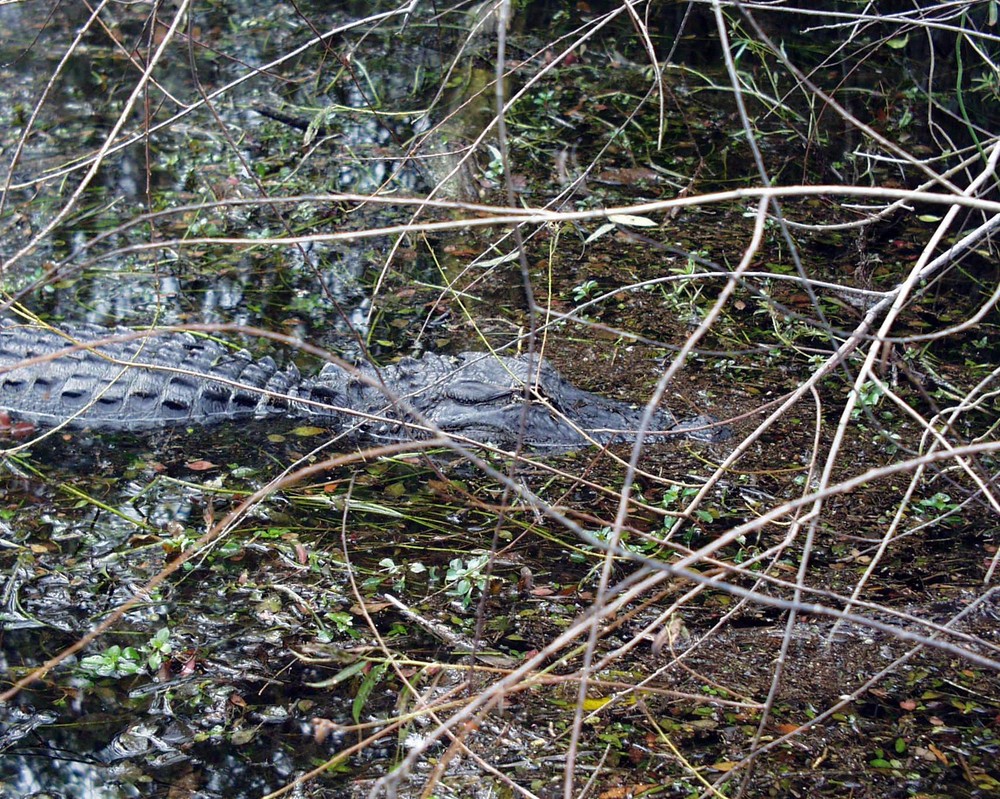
(122,379)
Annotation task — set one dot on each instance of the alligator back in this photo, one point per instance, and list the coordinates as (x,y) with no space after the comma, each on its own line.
(117,378)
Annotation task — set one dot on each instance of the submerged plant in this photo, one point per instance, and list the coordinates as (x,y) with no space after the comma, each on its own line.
(118,662)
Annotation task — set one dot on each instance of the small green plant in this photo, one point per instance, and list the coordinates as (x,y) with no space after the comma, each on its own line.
(543,98)
(158,648)
(397,572)
(494,170)
(940,502)
(987,85)
(885,759)
(114,661)
(465,577)
(938,506)
(543,109)
(645,546)
(673,498)
(118,662)
(870,396)
(585,290)
(683,295)
(342,621)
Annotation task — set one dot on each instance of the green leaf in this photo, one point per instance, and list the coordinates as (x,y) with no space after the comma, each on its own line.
(342,675)
(341,619)
(372,679)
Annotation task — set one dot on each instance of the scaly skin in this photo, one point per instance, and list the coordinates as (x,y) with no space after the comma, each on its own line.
(151,380)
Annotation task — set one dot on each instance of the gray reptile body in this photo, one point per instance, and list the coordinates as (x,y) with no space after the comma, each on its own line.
(128,380)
